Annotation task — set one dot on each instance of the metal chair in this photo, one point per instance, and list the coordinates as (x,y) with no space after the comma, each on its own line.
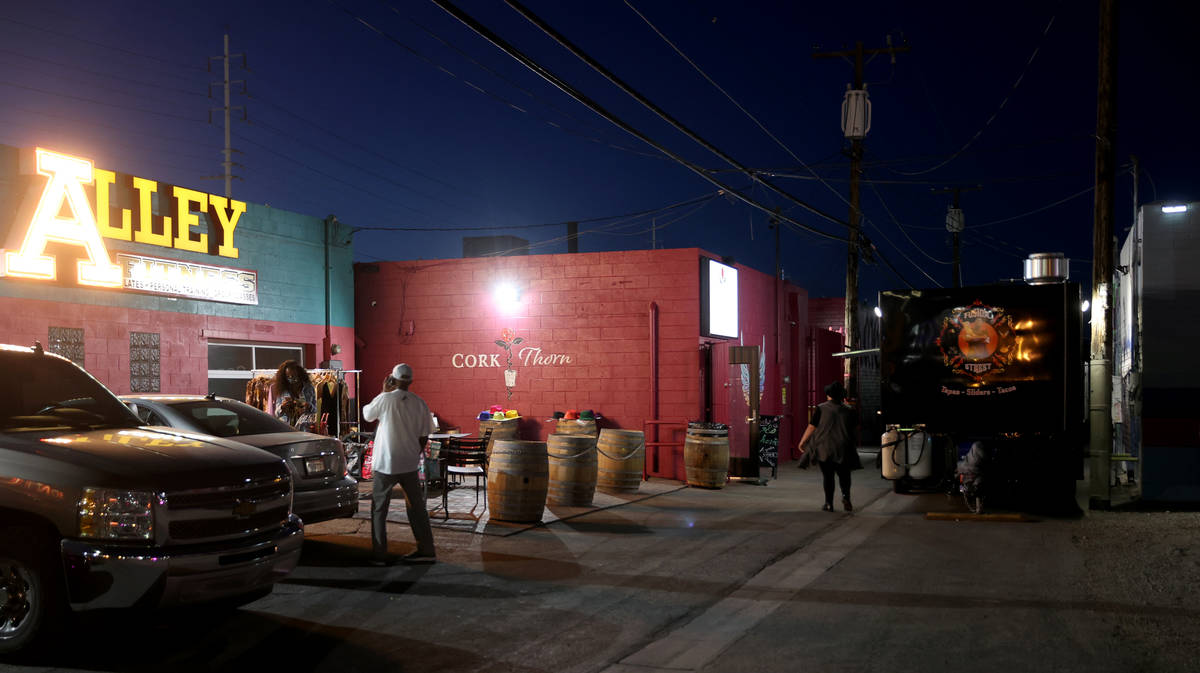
(463,457)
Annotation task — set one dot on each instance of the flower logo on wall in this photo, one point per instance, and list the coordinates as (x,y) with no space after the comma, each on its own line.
(508,339)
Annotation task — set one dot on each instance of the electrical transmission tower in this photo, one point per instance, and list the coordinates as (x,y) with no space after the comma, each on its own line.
(226,84)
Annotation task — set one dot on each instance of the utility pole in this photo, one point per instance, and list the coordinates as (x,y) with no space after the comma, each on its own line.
(228,163)
(1100,404)
(859,58)
(955,225)
(572,238)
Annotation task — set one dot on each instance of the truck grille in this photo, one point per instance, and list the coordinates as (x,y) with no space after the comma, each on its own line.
(202,514)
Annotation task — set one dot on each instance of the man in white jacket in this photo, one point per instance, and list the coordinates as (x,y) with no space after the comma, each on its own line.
(404,426)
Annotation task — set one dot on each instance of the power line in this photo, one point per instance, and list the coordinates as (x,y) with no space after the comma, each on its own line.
(155,86)
(551,224)
(76,38)
(596,107)
(739,106)
(99,102)
(903,230)
(1003,102)
(486,92)
(1017,217)
(633,93)
(525,91)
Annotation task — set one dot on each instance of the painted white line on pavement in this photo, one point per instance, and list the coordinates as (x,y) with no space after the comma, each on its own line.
(695,644)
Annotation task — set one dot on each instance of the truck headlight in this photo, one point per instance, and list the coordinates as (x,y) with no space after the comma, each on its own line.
(113,514)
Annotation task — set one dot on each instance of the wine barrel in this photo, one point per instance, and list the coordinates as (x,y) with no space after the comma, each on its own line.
(706,457)
(575,427)
(621,460)
(517,480)
(504,429)
(572,469)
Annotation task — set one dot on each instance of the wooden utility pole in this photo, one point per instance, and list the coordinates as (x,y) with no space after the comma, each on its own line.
(1100,405)
(956,228)
(850,319)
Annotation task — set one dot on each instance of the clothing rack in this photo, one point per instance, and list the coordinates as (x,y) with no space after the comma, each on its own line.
(343,424)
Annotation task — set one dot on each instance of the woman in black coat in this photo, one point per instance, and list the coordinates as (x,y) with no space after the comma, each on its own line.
(832,434)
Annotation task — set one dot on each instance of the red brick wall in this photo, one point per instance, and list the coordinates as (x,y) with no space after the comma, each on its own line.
(183,338)
(827,313)
(592,307)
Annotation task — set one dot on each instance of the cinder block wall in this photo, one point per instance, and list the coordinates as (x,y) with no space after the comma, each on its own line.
(590,308)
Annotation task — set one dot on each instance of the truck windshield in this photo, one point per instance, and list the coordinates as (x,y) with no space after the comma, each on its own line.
(45,392)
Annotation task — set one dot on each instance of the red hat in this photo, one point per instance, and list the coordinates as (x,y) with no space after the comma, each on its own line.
(572,414)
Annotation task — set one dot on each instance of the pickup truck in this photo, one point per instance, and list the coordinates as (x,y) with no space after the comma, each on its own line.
(97,512)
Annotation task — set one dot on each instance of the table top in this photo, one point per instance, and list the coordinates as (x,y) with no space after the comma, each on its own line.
(448,435)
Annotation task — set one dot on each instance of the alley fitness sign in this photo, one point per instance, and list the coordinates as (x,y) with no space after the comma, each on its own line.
(62,214)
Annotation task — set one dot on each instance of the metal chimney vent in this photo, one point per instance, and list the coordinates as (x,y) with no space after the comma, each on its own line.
(1047,267)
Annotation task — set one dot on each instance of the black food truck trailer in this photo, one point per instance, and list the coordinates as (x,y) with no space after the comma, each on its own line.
(992,375)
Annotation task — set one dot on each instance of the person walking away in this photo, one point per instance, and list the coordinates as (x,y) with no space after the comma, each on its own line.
(404,427)
(295,398)
(832,434)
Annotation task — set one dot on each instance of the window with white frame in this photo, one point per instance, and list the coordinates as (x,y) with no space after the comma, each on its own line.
(232,364)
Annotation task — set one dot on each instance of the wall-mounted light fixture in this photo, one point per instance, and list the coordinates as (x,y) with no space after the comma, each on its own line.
(507,298)
(1175,209)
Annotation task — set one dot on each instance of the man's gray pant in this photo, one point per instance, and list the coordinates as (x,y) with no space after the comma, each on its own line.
(418,516)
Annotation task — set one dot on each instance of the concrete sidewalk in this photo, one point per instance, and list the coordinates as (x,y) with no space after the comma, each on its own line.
(467,508)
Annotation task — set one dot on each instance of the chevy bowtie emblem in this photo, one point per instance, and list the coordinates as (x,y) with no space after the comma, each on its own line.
(244,510)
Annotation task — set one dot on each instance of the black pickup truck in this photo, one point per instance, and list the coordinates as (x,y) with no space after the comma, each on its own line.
(97,512)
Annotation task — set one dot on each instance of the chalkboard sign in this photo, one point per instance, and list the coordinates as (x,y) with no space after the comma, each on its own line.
(768,441)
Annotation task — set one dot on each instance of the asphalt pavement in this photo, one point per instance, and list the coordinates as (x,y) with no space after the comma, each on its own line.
(743,578)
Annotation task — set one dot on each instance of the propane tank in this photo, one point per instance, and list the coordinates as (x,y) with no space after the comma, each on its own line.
(920,455)
(892,467)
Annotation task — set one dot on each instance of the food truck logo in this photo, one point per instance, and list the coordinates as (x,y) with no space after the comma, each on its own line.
(977,340)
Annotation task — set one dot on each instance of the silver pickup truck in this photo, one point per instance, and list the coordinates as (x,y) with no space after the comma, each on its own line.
(97,512)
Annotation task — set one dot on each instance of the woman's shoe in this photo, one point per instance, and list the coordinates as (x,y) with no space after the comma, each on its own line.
(827,507)
(846,504)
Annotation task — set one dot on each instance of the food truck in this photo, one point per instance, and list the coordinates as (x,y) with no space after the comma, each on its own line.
(998,368)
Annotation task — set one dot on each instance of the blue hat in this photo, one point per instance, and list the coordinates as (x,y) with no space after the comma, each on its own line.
(485,416)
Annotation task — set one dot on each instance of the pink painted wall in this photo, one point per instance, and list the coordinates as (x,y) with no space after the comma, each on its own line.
(593,308)
(183,338)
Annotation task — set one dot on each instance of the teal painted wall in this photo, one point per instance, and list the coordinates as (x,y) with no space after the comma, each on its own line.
(285,249)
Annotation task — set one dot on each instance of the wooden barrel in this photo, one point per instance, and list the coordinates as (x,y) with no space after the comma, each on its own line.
(517,479)
(572,469)
(621,460)
(575,427)
(706,457)
(505,429)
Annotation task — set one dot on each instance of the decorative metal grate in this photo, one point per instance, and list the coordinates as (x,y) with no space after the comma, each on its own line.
(67,342)
(144,362)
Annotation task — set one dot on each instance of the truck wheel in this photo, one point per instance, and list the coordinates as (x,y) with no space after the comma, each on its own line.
(30,599)
(898,486)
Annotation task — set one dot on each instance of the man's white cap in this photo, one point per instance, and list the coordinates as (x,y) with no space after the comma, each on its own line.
(402,372)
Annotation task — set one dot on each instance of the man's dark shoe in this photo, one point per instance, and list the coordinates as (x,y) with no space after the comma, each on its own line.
(846,504)
(381,561)
(418,557)
(827,507)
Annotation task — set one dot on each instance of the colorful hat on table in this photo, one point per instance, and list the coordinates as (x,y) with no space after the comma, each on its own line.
(558,414)
(498,416)
(587,415)
(485,416)
(496,407)
(510,413)
(572,415)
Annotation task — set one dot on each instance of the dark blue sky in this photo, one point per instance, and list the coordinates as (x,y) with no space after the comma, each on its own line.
(416,122)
